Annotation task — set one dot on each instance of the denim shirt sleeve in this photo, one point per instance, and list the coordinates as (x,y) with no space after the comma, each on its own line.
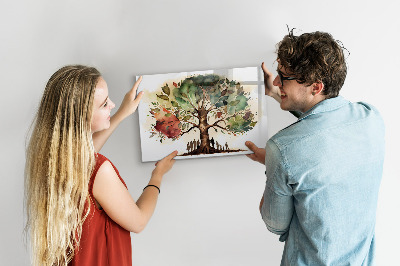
(277,209)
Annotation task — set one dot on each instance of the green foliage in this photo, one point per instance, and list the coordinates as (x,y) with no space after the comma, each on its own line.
(225,98)
(186,118)
(239,125)
(165,98)
(166,89)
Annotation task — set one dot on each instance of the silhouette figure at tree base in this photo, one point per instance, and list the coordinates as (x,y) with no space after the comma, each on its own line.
(206,148)
(212,151)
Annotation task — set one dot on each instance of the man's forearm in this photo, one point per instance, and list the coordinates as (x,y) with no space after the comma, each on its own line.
(276,211)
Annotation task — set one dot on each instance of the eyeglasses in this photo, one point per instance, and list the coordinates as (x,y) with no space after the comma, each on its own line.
(282,78)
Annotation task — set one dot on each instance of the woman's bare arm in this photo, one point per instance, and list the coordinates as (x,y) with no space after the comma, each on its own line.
(114,198)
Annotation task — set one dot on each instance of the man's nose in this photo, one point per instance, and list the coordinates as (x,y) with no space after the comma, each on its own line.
(277,81)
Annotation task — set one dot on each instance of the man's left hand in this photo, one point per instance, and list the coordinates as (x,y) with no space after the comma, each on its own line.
(258,155)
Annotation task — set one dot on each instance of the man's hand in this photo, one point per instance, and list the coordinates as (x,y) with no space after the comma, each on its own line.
(270,89)
(258,155)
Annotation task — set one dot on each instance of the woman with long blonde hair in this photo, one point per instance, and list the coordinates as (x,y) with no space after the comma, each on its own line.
(79,211)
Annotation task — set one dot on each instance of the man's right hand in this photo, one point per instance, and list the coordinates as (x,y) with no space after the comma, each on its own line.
(270,89)
(258,155)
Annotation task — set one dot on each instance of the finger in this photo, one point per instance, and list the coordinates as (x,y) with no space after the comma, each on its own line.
(139,97)
(265,69)
(263,66)
(251,146)
(251,156)
(136,85)
(172,155)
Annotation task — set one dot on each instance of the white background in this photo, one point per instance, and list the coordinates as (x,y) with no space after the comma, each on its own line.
(209,217)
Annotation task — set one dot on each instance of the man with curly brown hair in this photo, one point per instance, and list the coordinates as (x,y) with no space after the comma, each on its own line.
(323,171)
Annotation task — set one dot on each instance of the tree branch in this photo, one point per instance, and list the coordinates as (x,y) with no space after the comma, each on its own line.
(190,113)
(204,96)
(207,100)
(189,130)
(195,115)
(215,123)
(191,123)
(219,127)
(211,108)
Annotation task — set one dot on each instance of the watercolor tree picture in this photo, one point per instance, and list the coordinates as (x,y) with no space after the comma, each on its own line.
(202,112)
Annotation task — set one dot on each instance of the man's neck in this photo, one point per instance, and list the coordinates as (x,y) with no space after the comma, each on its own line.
(316,100)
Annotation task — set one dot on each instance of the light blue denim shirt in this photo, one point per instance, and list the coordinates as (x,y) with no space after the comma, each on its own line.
(323,176)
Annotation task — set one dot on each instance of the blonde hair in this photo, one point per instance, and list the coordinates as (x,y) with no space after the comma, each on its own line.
(59,161)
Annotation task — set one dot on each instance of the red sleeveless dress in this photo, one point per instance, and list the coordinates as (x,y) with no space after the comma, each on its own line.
(103,241)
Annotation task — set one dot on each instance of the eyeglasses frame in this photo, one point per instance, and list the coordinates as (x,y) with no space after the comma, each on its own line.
(282,78)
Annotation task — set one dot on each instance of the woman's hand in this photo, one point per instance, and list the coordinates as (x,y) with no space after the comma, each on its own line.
(131,101)
(270,89)
(164,165)
(128,107)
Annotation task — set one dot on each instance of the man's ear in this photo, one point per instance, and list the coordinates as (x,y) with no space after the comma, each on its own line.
(317,88)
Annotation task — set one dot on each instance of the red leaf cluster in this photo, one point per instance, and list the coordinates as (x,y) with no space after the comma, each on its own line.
(167,123)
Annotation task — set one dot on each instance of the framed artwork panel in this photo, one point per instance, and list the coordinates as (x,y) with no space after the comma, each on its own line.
(201,113)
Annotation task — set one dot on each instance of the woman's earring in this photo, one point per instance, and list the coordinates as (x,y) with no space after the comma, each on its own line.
(313,93)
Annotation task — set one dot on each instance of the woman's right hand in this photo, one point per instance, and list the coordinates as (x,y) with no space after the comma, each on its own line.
(270,89)
(130,101)
(165,164)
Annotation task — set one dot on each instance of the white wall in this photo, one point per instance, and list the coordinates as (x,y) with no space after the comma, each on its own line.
(208,208)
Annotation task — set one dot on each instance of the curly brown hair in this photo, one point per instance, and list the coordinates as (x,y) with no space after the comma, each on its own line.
(314,57)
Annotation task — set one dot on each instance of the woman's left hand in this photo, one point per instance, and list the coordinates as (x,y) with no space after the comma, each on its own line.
(131,101)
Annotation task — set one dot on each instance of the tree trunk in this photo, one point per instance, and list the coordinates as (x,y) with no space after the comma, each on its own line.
(204,137)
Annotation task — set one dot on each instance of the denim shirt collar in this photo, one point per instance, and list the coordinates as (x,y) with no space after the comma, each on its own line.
(325,106)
